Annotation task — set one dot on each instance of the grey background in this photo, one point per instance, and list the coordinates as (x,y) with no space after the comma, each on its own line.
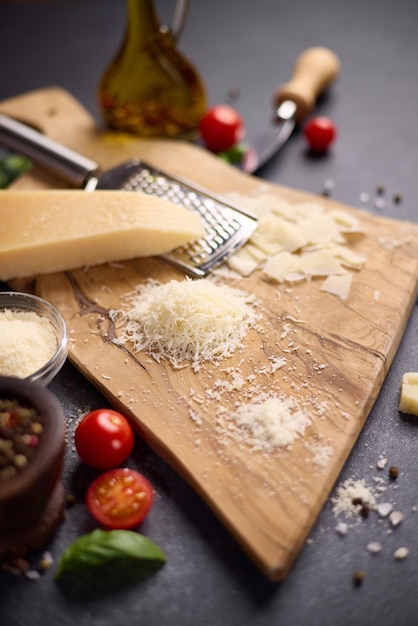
(251,46)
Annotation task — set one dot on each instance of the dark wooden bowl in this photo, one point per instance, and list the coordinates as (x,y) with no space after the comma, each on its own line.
(32,501)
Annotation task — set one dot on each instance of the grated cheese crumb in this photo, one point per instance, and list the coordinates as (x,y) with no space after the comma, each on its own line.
(396,517)
(349,494)
(374,547)
(384,509)
(401,553)
(341,528)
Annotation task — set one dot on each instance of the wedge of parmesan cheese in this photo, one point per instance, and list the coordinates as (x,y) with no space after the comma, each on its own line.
(409,394)
(46,231)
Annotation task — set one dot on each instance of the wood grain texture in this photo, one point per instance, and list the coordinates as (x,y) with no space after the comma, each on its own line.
(337,351)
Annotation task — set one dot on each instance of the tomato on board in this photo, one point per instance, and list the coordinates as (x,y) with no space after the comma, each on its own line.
(320,132)
(120,498)
(104,439)
(221,128)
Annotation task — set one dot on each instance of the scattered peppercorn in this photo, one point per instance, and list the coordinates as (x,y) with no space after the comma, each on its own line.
(365,510)
(70,500)
(380,189)
(397,198)
(393,472)
(358,578)
(45,562)
(16,566)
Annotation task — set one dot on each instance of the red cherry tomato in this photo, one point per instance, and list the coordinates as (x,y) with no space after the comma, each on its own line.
(320,132)
(104,439)
(221,128)
(120,498)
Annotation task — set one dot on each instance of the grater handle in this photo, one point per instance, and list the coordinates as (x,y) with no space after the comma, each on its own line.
(72,167)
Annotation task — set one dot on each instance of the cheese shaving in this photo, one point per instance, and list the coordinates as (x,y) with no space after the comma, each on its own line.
(189,322)
(296,242)
(338,285)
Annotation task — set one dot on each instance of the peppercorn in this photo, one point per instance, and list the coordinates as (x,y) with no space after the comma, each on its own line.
(365,510)
(393,472)
(358,578)
(70,500)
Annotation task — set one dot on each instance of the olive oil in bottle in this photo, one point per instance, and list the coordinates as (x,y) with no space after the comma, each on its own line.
(150,89)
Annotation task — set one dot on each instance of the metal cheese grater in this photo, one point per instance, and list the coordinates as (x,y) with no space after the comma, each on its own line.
(227,226)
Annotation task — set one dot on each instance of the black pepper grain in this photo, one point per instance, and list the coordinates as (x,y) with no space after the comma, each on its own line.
(365,510)
(70,500)
(393,472)
(358,578)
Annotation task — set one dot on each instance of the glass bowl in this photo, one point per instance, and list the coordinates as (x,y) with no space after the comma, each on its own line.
(23,302)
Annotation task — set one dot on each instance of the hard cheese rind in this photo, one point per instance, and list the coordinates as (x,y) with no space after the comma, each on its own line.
(47,231)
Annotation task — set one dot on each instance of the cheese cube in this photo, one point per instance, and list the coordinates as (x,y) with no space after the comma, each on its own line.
(43,231)
(409,394)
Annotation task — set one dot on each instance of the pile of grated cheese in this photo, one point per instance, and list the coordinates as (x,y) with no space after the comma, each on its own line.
(264,424)
(350,492)
(27,343)
(189,321)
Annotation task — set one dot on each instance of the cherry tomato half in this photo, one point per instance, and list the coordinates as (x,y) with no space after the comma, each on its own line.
(104,439)
(221,128)
(320,132)
(120,498)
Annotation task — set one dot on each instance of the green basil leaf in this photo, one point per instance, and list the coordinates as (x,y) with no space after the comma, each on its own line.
(235,154)
(102,547)
(11,167)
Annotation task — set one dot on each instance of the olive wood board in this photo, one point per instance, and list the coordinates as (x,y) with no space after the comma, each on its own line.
(337,352)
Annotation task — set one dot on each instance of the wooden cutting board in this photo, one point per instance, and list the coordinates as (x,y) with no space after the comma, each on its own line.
(337,351)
